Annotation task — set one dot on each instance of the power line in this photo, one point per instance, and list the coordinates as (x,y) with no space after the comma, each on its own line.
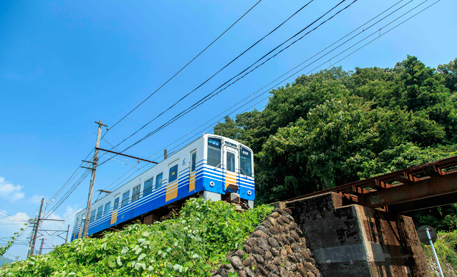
(185,65)
(350,38)
(76,171)
(225,66)
(213,93)
(276,80)
(69,192)
(337,48)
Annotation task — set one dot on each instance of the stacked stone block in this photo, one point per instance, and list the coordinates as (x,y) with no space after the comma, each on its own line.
(276,248)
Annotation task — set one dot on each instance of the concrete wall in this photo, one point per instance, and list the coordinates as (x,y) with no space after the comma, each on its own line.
(358,241)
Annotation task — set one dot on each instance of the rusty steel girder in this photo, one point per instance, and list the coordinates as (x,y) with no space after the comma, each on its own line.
(418,187)
(421,190)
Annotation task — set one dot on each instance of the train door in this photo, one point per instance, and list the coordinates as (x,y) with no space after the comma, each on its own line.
(192,170)
(231,161)
(115,209)
(172,185)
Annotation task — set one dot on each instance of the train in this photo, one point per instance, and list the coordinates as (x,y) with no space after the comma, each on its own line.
(212,167)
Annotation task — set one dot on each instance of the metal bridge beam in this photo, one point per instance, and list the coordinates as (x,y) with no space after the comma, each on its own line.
(423,192)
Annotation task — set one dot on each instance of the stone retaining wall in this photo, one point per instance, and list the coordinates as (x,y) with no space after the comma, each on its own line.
(276,248)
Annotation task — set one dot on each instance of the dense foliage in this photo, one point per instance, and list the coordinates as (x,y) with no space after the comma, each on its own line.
(189,245)
(335,127)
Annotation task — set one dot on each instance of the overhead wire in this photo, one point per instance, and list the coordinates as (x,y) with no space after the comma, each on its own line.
(201,52)
(220,70)
(332,45)
(69,192)
(213,93)
(347,48)
(179,71)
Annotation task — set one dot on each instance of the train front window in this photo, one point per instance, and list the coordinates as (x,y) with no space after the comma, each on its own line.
(231,161)
(245,162)
(214,152)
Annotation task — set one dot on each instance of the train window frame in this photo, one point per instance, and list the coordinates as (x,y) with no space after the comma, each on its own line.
(243,157)
(92,216)
(116,203)
(147,189)
(230,165)
(136,195)
(107,208)
(125,198)
(214,147)
(193,161)
(173,173)
(99,212)
(159,184)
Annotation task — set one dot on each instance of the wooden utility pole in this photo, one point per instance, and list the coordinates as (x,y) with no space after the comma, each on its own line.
(35,230)
(41,247)
(68,230)
(92,178)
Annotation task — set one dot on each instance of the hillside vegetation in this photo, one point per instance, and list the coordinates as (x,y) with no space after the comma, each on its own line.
(189,245)
(335,127)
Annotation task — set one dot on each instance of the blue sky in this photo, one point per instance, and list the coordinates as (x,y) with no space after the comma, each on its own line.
(66,64)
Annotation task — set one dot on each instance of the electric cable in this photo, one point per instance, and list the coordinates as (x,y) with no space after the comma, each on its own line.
(362,40)
(185,65)
(209,96)
(225,66)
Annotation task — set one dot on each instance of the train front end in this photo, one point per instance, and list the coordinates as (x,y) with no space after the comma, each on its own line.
(229,171)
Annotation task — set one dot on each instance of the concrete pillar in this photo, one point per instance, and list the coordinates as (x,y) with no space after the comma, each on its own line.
(353,240)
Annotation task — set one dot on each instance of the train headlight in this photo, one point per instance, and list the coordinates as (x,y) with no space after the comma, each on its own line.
(249,192)
(211,183)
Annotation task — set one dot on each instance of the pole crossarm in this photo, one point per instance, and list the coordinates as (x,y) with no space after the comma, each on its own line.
(136,158)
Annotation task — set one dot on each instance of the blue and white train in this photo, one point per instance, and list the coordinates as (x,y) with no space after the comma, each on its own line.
(212,167)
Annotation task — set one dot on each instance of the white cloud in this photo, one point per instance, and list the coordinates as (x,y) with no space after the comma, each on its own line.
(10,191)
(9,224)
(36,199)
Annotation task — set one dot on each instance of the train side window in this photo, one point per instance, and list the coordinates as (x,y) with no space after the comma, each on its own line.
(99,212)
(193,161)
(214,152)
(92,216)
(173,174)
(159,178)
(148,186)
(116,204)
(125,198)
(107,208)
(136,193)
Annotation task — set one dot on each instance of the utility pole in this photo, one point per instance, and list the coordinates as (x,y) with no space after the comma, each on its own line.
(68,230)
(41,247)
(92,178)
(35,230)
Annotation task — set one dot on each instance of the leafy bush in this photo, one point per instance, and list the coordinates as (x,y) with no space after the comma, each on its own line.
(189,245)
